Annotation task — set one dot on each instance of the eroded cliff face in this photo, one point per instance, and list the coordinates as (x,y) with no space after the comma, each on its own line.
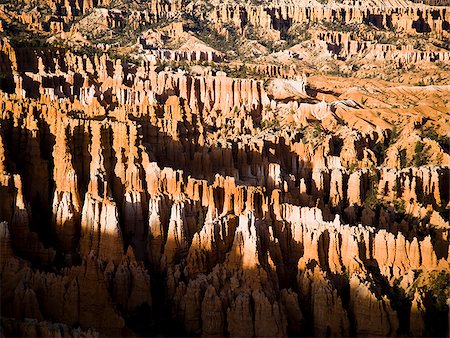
(135,199)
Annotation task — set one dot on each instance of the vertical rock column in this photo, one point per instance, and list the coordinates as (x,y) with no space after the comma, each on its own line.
(100,228)
(66,200)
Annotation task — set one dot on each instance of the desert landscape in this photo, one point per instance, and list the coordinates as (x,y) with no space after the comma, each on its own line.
(245,168)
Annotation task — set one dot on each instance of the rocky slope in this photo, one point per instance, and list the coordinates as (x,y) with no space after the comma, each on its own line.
(168,187)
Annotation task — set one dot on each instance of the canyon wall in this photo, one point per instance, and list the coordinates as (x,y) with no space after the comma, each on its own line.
(138,200)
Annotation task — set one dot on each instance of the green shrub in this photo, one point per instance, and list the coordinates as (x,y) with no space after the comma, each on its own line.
(272,125)
(420,156)
(442,140)
(403,160)
(399,206)
(318,130)
(201,220)
(440,290)
(372,200)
